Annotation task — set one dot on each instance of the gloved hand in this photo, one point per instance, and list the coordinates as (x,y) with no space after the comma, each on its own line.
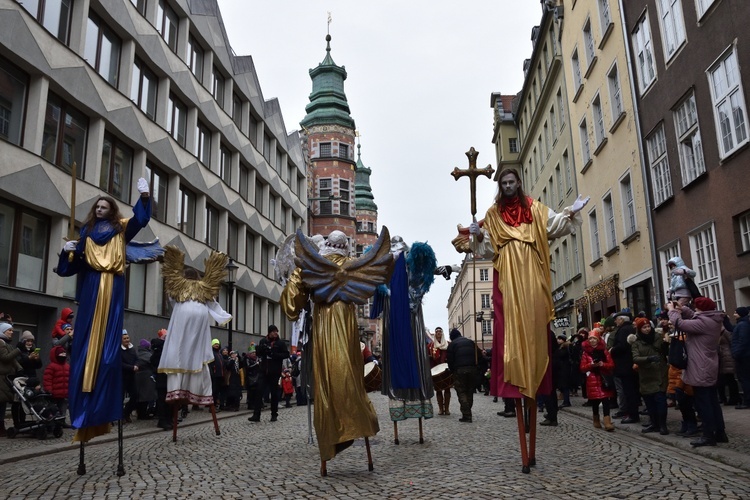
(142,186)
(70,245)
(474,228)
(653,359)
(579,203)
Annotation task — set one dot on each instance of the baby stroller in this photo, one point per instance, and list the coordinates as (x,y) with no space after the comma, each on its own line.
(42,415)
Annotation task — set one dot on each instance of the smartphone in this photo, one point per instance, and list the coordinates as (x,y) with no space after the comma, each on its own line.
(38,350)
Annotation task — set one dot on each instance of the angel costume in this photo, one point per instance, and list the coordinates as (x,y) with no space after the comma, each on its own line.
(337,283)
(187,349)
(407,379)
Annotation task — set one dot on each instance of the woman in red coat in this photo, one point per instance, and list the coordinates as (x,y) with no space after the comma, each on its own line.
(597,364)
(56,377)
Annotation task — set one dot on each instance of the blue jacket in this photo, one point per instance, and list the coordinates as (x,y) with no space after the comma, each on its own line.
(741,339)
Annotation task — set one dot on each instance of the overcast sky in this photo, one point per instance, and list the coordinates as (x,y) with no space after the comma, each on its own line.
(420,75)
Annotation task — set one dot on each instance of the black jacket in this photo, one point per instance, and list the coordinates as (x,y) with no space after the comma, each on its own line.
(621,351)
(271,354)
(461,352)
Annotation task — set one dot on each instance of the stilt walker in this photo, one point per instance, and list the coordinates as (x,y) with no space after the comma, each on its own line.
(187,348)
(337,283)
(99,257)
(516,233)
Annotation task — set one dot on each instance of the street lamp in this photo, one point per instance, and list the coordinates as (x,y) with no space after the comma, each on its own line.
(231,277)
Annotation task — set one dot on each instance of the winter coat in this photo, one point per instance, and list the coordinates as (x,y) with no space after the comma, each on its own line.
(287,386)
(561,366)
(675,382)
(594,386)
(461,352)
(217,365)
(57,373)
(652,375)
(234,375)
(57,331)
(8,366)
(726,361)
(271,355)
(621,352)
(28,366)
(436,356)
(677,285)
(144,378)
(741,339)
(157,347)
(252,372)
(703,330)
(128,361)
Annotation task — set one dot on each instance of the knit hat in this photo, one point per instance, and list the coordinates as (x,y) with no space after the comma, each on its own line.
(705,304)
(215,342)
(27,335)
(124,331)
(162,333)
(144,343)
(4,327)
(251,348)
(742,311)
(608,322)
(595,333)
(455,333)
(66,326)
(640,323)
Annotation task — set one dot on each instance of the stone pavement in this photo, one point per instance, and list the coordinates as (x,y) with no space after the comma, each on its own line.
(477,460)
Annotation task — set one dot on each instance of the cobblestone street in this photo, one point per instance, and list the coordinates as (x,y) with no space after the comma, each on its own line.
(477,460)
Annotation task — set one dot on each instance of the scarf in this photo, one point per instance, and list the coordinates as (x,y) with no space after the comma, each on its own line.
(513,213)
(442,345)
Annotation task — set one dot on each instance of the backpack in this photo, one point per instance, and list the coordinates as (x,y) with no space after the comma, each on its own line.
(677,355)
(693,288)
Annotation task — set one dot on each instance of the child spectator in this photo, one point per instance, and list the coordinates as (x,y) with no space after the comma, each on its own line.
(598,366)
(287,387)
(56,378)
(59,337)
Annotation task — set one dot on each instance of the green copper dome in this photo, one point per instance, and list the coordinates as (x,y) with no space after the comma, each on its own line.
(328,104)
(363,198)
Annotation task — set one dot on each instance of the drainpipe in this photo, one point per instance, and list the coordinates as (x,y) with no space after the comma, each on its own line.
(649,216)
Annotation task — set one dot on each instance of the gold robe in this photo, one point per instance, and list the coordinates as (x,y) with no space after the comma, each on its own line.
(343,411)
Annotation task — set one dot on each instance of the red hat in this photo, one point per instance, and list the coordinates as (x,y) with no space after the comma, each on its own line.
(640,323)
(595,332)
(705,304)
(161,333)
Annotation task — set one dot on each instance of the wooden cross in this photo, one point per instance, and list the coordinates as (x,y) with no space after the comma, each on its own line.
(472,173)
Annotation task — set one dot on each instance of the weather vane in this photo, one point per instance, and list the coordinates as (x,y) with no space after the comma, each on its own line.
(329,22)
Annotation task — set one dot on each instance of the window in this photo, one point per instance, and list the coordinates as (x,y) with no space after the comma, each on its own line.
(584,133)
(102,49)
(250,249)
(576,258)
(264,257)
(702,6)
(272,208)
(689,142)
(513,145)
(615,93)
(744,231)
(177,120)
(343,151)
(605,17)
(186,211)
(240,321)
(599,131)
(259,188)
(195,58)
(661,182)
(561,108)
(237,110)
(24,238)
(568,173)
(609,214)
(282,222)
(588,40)
(12,102)
(136,286)
(280,163)
(244,181)
(233,235)
(546,140)
(159,182)
(252,132)
(628,205)
(167,24)
(143,89)
(705,258)
(729,103)
(217,86)
(560,187)
(140,5)
(596,251)
(325,191)
(225,165)
(484,275)
(257,315)
(211,233)
(486,303)
(203,143)
(577,79)
(345,195)
(64,137)
(565,262)
(486,328)
(54,15)
(267,147)
(116,168)
(554,266)
(553,121)
(672,25)
(645,66)
(325,150)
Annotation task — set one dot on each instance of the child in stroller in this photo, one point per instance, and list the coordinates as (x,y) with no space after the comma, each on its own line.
(44,417)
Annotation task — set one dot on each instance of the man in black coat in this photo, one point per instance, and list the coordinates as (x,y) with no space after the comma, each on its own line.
(271,351)
(623,358)
(462,362)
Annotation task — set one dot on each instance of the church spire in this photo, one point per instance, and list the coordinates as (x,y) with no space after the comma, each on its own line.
(363,197)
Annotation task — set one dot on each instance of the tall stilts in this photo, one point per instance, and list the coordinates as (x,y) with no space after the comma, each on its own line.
(421,438)
(522,436)
(81,463)
(395,432)
(323,469)
(120,466)
(216,422)
(175,413)
(532,431)
(370,467)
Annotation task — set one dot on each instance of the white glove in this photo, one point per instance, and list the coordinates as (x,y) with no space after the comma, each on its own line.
(70,245)
(474,228)
(579,203)
(142,186)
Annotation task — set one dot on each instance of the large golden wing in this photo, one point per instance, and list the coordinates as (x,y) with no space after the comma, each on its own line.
(182,289)
(171,270)
(353,282)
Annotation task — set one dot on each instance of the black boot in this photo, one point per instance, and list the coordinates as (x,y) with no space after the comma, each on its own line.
(663,430)
(255,417)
